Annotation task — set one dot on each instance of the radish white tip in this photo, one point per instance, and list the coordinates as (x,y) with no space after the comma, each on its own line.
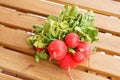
(82,50)
(54,54)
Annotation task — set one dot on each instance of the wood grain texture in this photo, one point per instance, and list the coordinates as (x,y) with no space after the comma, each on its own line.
(108,43)
(111,8)
(25,65)
(99,63)
(18,19)
(33,6)
(107,24)
(15,39)
(7,77)
(104,23)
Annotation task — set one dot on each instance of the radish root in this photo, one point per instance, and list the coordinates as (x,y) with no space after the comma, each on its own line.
(69,73)
(53,56)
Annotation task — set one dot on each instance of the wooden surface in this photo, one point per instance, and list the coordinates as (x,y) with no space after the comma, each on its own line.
(106,7)
(16,56)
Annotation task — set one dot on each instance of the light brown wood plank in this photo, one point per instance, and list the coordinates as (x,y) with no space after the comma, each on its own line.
(101,62)
(17,19)
(7,77)
(25,65)
(106,43)
(19,43)
(107,24)
(111,8)
(23,21)
(12,38)
(32,6)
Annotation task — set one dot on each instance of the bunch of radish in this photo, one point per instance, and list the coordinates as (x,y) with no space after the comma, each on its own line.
(58,50)
(66,38)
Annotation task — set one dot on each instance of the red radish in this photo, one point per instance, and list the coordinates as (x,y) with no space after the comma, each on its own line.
(85,48)
(57,49)
(68,62)
(65,62)
(79,57)
(39,49)
(72,40)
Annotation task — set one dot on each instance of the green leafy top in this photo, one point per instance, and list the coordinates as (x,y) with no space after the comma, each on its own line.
(70,20)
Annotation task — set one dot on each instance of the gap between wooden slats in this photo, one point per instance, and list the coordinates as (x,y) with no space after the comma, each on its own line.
(110,8)
(104,23)
(24,21)
(25,65)
(7,77)
(117,0)
(98,62)
(14,75)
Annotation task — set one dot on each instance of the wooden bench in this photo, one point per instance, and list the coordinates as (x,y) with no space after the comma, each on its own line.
(17,58)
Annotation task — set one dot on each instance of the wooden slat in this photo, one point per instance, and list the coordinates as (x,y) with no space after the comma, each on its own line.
(25,65)
(17,19)
(100,62)
(108,43)
(104,23)
(9,35)
(19,43)
(7,77)
(32,6)
(107,24)
(105,43)
(111,8)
